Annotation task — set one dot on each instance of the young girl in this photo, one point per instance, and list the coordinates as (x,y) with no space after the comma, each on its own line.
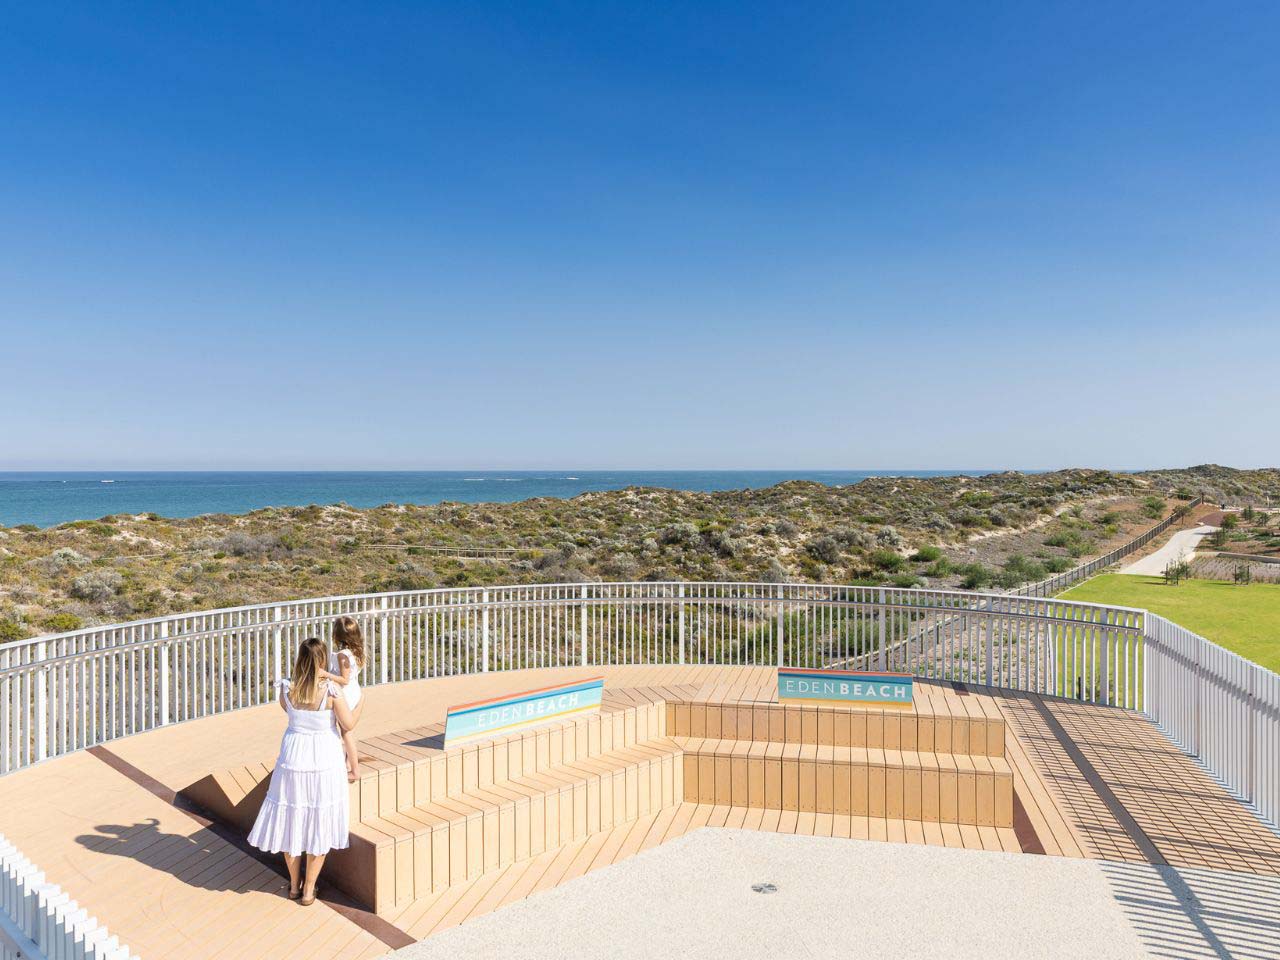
(345,664)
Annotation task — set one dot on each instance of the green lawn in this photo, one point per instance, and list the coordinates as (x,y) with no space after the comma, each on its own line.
(1245,619)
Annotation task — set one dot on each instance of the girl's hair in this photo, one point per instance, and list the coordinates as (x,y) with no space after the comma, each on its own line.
(313,656)
(347,636)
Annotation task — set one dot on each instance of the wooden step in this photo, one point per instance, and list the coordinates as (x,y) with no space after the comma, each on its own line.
(422,849)
(973,733)
(409,768)
(872,782)
(424,818)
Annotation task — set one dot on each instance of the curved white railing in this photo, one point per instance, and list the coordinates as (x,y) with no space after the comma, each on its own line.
(66,692)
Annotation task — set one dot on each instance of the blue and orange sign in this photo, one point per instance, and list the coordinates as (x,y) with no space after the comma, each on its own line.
(845,687)
(519,711)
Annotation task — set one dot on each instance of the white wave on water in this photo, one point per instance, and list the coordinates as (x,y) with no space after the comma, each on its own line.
(508,479)
(474,479)
(572,478)
(106,481)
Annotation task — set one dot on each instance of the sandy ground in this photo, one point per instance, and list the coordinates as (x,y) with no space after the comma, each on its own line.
(1182,543)
(693,898)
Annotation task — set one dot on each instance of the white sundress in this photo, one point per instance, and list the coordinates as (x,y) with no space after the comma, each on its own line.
(307,807)
(351,692)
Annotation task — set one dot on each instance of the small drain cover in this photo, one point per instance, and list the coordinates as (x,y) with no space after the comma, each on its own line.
(765,887)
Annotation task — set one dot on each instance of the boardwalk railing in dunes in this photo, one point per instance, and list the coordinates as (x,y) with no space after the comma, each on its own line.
(1058,582)
(67,692)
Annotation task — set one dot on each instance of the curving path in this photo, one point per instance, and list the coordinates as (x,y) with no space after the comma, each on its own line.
(1184,542)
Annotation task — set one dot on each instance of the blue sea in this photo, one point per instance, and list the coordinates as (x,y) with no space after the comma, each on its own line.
(47,499)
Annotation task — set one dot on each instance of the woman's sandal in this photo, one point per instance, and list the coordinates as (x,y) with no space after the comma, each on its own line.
(295,894)
(307,901)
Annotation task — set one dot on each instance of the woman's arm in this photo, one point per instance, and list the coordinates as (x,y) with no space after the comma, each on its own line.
(340,710)
(342,679)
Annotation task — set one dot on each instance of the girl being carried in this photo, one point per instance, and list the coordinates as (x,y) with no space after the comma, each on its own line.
(345,664)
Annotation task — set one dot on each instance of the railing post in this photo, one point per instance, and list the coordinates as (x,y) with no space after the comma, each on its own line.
(42,702)
(779,638)
(277,643)
(384,659)
(882,658)
(680,595)
(990,644)
(1107,622)
(166,652)
(1196,675)
(582,622)
(1144,703)
(484,631)
(1251,724)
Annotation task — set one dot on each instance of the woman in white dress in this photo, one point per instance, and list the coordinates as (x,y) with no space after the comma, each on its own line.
(307,807)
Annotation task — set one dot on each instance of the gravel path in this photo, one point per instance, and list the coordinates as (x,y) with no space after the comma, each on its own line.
(692,898)
(1182,542)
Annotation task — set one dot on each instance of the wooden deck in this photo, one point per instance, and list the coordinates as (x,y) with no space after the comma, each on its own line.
(106,825)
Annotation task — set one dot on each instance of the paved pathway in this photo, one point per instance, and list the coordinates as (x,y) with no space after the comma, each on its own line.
(693,898)
(1182,542)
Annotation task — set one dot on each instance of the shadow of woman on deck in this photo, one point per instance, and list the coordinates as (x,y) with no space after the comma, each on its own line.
(200,859)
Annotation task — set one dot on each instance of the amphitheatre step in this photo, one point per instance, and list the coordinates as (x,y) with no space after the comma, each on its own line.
(415,851)
(424,818)
(976,733)
(859,781)
(410,767)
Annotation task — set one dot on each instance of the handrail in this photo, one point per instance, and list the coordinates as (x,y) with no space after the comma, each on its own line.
(441,591)
(70,691)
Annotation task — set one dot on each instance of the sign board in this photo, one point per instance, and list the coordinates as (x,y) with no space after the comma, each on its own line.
(519,711)
(845,687)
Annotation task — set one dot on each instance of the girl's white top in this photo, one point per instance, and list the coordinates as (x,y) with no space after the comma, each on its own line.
(351,692)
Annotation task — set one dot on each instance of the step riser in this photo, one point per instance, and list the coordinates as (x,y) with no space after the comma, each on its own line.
(860,790)
(388,787)
(385,873)
(882,729)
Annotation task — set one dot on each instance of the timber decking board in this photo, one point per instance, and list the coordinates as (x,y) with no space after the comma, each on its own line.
(206,885)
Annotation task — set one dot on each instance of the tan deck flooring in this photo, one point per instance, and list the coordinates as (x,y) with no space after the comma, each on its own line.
(1089,782)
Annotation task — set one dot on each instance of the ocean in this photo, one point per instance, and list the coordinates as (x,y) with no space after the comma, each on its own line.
(48,499)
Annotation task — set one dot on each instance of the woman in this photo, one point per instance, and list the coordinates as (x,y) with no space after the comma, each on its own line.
(306,809)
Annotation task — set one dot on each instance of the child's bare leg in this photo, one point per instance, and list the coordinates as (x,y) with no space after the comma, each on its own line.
(353,756)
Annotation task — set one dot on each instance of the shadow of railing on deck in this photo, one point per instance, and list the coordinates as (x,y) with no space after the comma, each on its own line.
(1188,913)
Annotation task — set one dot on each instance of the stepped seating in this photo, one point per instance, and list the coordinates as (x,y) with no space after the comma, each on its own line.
(424,818)
(885,764)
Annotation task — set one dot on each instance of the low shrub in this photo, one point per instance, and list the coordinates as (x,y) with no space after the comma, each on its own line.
(62,622)
(974,576)
(97,586)
(927,555)
(823,549)
(11,630)
(887,560)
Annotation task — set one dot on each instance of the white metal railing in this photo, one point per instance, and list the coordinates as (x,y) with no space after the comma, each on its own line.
(38,921)
(1218,707)
(70,691)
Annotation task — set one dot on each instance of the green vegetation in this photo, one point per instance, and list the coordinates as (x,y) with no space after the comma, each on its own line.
(996,531)
(1243,618)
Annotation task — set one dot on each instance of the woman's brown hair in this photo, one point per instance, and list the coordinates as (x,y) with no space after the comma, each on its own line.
(313,656)
(347,636)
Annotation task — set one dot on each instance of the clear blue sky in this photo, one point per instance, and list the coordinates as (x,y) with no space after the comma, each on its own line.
(383,235)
